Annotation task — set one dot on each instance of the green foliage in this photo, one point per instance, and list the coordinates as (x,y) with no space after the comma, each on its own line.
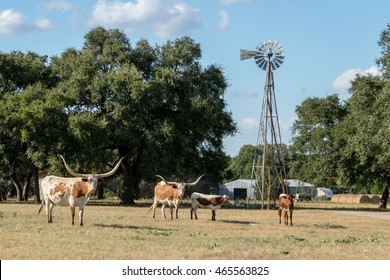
(240,166)
(338,144)
(314,150)
(156,106)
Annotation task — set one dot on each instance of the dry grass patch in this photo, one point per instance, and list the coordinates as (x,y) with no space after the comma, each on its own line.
(116,232)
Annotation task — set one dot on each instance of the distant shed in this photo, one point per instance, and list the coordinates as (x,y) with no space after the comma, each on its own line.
(238,189)
(243,188)
(296,186)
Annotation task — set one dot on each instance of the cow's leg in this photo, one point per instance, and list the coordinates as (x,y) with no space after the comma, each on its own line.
(213,215)
(81,215)
(171,210)
(195,212)
(280,215)
(291,212)
(286,218)
(177,211)
(49,210)
(163,211)
(154,206)
(72,213)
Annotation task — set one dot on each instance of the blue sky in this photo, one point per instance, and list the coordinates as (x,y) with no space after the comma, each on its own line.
(326,42)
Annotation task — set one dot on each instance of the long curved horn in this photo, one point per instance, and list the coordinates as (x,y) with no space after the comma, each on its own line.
(108,174)
(161,177)
(71,172)
(194,183)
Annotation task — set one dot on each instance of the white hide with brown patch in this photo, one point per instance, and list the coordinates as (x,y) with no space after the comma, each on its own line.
(170,193)
(212,202)
(73,192)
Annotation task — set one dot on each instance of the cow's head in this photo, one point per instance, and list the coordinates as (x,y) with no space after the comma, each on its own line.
(225,199)
(181,186)
(92,179)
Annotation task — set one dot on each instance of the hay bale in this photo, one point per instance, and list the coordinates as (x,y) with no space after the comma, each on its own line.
(335,198)
(376,199)
(352,198)
(362,198)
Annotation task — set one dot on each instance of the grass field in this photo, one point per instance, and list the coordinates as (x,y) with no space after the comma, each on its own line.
(321,231)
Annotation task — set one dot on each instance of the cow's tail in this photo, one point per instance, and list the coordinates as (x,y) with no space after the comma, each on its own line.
(40,208)
(153,206)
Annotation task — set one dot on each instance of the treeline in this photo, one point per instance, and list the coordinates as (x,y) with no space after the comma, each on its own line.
(157,106)
(341,144)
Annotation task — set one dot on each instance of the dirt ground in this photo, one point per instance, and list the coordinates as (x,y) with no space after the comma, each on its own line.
(370,214)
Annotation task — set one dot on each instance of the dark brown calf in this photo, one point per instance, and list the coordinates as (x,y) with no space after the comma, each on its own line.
(286,205)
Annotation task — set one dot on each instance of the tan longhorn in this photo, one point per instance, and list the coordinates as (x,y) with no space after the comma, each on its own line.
(170,193)
(73,192)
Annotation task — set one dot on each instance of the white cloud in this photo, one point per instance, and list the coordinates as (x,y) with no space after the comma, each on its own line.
(180,19)
(224,20)
(44,24)
(164,20)
(12,22)
(228,2)
(248,123)
(343,82)
(58,5)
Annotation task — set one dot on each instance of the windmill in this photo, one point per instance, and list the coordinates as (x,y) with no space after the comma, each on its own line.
(268,165)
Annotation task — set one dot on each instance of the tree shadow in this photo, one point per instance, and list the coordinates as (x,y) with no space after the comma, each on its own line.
(237,222)
(116,226)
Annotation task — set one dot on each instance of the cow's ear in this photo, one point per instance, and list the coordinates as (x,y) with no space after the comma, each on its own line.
(84,179)
(100,180)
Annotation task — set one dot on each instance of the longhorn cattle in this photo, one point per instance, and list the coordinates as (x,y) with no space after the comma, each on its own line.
(286,205)
(212,202)
(73,192)
(170,193)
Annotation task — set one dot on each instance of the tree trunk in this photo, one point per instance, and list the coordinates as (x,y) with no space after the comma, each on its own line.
(100,191)
(130,188)
(126,194)
(385,197)
(18,186)
(37,196)
(26,186)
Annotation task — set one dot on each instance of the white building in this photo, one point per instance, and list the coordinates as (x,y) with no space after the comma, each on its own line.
(243,188)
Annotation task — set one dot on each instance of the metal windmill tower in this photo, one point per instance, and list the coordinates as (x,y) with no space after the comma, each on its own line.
(268,164)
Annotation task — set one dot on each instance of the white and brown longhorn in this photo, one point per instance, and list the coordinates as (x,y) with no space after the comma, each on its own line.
(170,193)
(73,192)
(212,202)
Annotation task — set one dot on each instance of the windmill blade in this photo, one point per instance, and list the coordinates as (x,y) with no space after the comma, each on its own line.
(262,63)
(260,59)
(278,46)
(273,67)
(264,66)
(279,61)
(279,56)
(277,64)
